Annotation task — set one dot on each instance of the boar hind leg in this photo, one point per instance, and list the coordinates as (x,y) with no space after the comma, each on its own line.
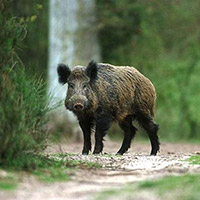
(152,128)
(102,125)
(129,133)
(86,125)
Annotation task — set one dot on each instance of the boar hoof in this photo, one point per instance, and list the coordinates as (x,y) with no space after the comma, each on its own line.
(96,152)
(85,152)
(119,153)
(153,153)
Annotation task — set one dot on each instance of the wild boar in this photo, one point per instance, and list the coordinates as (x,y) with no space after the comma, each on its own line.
(100,94)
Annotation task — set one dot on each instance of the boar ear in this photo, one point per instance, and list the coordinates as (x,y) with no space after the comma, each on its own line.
(91,70)
(63,73)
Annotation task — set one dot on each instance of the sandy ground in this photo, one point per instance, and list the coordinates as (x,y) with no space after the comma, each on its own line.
(135,165)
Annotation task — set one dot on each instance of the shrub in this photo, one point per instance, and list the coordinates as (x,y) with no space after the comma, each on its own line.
(22,110)
(23,103)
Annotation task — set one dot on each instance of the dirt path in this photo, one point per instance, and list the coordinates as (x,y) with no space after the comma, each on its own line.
(135,165)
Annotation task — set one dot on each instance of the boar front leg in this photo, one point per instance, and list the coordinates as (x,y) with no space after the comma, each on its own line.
(102,125)
(86,125)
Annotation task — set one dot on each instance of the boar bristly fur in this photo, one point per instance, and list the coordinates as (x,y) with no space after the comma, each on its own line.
(100,94)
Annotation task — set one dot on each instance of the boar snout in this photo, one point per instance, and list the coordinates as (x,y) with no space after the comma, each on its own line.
(78,107)
(76,103)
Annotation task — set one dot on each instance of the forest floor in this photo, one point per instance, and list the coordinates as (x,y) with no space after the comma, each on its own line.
(115,172)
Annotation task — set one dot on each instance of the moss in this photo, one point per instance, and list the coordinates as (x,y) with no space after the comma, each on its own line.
(8,183)
(194,159)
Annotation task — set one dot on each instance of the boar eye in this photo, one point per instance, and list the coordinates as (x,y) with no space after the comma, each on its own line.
(71,85)
(84,85)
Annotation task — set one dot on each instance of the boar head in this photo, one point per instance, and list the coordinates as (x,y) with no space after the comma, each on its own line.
(80,81)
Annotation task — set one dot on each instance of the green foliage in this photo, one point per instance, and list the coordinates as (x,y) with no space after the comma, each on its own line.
(23,103)
(23,109)
(116,19)
(34,53)
(161,39)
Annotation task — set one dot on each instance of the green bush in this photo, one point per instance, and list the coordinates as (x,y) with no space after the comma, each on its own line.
(23,107)
(23,103)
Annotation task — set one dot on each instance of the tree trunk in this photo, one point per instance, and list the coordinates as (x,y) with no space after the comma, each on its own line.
(72,39)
